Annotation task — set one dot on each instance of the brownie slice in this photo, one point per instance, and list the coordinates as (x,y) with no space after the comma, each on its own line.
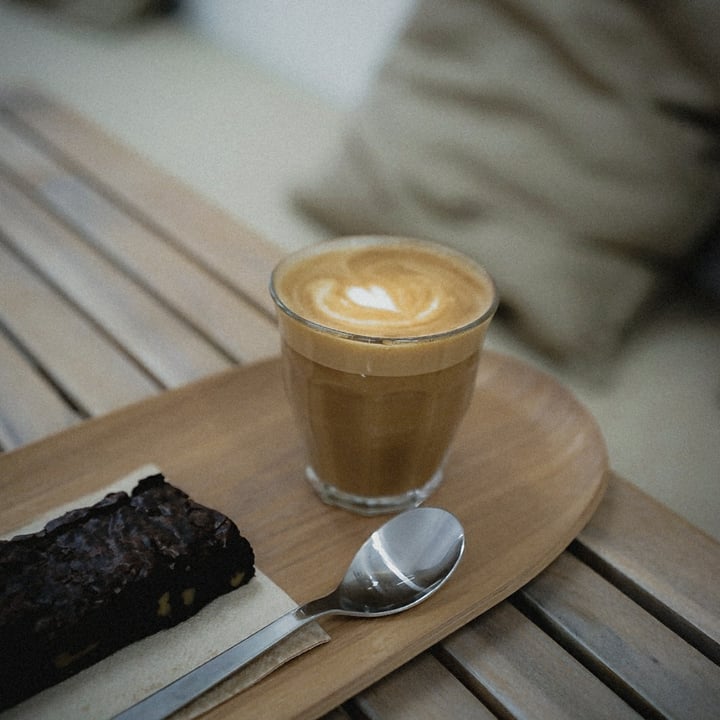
(99,578)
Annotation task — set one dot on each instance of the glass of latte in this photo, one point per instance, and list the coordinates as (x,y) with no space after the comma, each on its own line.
(380,344)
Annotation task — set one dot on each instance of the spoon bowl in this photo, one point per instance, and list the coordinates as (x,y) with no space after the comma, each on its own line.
(401,564)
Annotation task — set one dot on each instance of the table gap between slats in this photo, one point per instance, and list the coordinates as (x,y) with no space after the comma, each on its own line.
(79,275)
(641,659)
(67,328)
(32,405)
(76,170)
(422,689)
(663,563)
(215,311)
(519,672)
(120,220)
(650,603)
(165,204)
(92,282)
(31,361)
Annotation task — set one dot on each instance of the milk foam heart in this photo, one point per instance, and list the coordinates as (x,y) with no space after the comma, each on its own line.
(372,297)
(391,290)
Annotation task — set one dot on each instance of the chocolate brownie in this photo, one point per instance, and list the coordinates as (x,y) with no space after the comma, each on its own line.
(97,579)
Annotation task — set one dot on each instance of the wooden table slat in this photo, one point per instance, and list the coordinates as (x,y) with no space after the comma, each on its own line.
(74,352)
(519,672)
(30,408)
(229,248)
(660,560)
(638,656)
(160,341)
(220,313)
(420,690)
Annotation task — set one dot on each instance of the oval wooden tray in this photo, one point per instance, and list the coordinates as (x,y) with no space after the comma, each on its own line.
(524,476)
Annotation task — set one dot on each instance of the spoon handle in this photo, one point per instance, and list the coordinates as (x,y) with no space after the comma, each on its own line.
(185,689)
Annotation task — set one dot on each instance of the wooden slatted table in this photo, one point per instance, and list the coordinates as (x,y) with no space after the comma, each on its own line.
(118,283)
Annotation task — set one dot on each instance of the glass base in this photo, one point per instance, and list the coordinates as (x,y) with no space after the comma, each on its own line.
(376,505)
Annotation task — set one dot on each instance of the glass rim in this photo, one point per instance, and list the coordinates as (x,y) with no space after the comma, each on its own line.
(383,339)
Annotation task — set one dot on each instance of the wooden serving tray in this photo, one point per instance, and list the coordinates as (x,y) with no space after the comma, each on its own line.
(524,476)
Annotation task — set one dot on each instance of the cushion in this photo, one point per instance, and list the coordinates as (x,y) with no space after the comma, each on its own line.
(534,136)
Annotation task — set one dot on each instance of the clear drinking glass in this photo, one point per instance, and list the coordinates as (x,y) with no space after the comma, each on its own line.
(381,338)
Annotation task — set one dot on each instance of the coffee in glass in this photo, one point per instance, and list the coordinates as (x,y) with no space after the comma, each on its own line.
(380,342)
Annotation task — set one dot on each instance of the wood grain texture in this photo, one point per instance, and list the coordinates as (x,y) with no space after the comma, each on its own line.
(158,339)
(117,295)
(81,359)
(526,472)
(660,560)
(639,657)
(228,248)
(420,690)
(518,670)
(31,406)
(218,311)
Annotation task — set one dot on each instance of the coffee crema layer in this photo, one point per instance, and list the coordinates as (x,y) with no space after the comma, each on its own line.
(388,307)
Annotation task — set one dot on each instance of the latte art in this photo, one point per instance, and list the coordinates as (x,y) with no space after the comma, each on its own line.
(374,296)
(392,310)
(385,291)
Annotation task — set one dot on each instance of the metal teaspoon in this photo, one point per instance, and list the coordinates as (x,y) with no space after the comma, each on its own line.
(398,566)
